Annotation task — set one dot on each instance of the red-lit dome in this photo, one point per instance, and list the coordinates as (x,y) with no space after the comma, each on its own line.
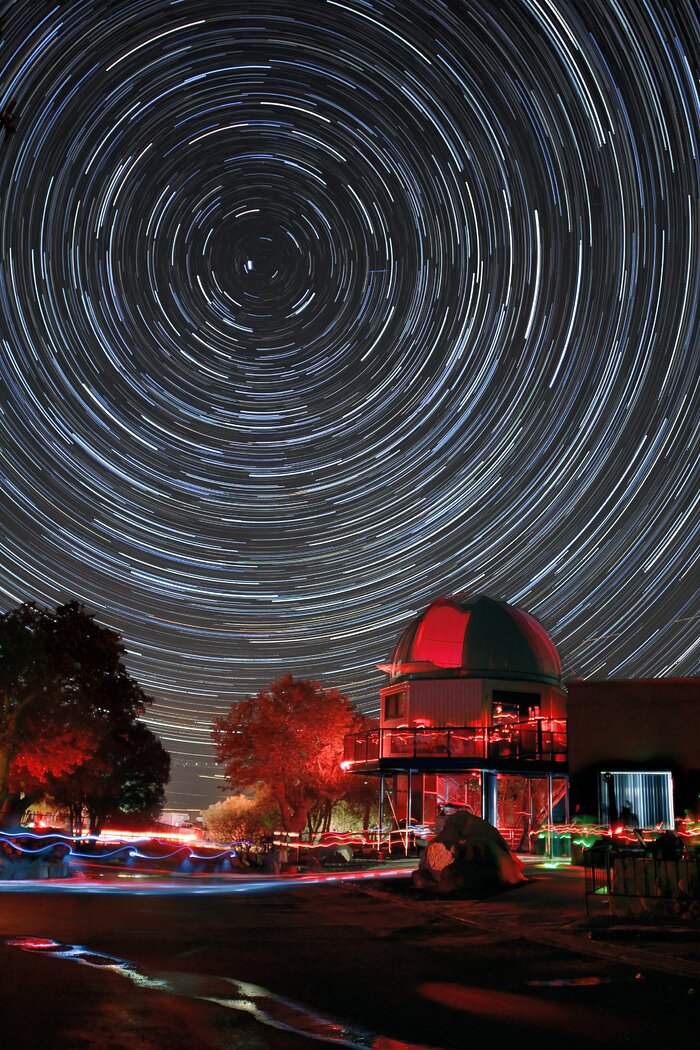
(475,638)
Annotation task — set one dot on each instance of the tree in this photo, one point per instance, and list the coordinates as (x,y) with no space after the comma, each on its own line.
(290,738)
(241,817)
(63,690)
(141,773)
(354,803)
(126,777)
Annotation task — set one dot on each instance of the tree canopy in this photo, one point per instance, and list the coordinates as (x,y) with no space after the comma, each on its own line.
(65,693)
(127,775)
(290,738)
(242,817)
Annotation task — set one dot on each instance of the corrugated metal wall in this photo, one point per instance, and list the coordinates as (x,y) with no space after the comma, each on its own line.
(447,702)
(465,701)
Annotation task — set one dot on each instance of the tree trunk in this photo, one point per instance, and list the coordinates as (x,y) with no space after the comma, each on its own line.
(96,821)
(296,820)
(293,818)
(75,811)
(4,793)
(314,819)
(14,807)
(4,807)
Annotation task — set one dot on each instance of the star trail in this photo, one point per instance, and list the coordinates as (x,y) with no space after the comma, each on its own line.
(314,311)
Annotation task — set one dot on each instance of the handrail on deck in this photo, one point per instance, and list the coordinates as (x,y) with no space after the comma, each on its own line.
(536,740)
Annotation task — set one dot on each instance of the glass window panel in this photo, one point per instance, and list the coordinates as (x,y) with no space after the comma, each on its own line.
(643,799)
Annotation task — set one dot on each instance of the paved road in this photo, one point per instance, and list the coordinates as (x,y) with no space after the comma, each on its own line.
(264,970)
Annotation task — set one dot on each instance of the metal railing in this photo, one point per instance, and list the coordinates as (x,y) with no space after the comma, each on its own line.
(540,740)
(611,876)
(597,876)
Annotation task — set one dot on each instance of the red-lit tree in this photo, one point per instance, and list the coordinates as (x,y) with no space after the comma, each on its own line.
(63,690)
(126,777)
(290,738)
(337,785)
(360,794)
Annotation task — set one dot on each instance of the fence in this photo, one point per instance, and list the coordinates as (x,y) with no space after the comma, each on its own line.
(634,884)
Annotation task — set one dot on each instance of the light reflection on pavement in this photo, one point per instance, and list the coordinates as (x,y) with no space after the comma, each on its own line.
(264,1006)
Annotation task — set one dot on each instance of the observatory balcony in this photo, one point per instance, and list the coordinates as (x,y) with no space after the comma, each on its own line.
(537,740)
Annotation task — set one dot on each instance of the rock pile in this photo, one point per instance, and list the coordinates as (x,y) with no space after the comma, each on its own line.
(18,863)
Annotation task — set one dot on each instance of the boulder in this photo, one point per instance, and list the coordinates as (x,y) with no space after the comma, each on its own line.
(468,855)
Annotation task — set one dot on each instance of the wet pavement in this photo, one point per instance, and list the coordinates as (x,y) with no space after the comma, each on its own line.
(358,964)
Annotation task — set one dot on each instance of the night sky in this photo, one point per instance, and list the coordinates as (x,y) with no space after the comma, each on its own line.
(314,311)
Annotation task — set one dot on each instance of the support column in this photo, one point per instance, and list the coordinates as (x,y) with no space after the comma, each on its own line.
(567,817)
(489,797)
(550,816)
(380,833)
(409,789)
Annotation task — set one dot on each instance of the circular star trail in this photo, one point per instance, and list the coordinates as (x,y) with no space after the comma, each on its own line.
(315,311)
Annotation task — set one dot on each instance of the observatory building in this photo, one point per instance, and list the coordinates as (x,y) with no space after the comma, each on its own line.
(474,713)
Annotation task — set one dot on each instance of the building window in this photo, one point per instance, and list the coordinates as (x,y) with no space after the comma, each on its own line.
(643,800)
(510,706)
(395,705)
